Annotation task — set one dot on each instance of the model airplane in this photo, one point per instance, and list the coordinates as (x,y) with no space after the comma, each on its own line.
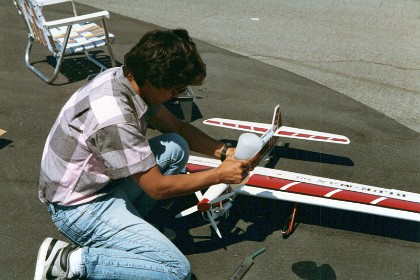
(300,188)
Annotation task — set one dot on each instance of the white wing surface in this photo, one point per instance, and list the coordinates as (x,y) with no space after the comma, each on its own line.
(301,188)
(283,131)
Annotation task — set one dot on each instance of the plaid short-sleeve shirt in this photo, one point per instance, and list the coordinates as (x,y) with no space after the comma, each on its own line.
(98,136)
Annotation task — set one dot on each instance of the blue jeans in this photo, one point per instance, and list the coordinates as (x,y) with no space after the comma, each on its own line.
(116,242)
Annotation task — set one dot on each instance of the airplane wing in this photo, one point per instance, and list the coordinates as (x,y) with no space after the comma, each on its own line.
(301,188)
(283,131)
(239,125)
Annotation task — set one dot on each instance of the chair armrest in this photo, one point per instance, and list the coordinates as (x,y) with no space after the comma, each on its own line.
(78,19)
(50,2)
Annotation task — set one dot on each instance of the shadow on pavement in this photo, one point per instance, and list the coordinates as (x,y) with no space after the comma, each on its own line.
(263,217)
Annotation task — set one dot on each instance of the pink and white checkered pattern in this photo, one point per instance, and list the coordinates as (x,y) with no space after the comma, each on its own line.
(98,136)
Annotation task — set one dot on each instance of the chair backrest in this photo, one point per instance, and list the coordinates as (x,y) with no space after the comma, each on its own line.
(34,19)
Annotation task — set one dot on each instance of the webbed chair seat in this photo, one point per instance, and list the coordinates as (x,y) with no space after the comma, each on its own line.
(77,34)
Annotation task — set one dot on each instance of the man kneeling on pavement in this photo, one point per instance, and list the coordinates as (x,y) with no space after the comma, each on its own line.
(100,175)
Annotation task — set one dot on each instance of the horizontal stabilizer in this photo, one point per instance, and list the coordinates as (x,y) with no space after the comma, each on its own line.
(283,131)
(304,134)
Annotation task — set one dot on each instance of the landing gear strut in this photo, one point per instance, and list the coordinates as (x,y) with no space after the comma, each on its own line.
(289,224)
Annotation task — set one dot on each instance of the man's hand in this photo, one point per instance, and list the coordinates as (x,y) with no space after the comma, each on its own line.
(233,171)
(253,162)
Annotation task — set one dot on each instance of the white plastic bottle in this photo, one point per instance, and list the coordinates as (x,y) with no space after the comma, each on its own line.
(248,146)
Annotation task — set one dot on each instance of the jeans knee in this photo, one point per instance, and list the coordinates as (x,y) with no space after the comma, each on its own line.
(180,149)
(171,152)
(184,270)
(178,139)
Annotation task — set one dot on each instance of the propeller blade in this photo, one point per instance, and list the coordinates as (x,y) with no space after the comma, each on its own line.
(187,212)
(213,224)
(214,191)
(203,205)
(199,195)
(222,197)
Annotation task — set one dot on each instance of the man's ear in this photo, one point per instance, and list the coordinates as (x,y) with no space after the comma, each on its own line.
(134,84)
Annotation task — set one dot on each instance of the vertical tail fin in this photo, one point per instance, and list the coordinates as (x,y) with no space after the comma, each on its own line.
(269,138)
(277,121)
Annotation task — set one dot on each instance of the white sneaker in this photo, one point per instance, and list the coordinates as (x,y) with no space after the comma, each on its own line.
(52,259)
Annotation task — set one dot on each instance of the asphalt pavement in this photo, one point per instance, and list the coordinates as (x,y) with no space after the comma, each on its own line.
(367,50)
(327,244)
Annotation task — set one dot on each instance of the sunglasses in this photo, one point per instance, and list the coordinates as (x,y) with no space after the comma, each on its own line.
(178,91)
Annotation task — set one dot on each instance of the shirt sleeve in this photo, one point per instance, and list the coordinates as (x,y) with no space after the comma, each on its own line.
(123,149)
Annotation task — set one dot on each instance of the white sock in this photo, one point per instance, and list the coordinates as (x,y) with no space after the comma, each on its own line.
(75,262)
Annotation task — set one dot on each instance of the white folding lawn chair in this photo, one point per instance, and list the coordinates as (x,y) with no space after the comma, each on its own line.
(65,36)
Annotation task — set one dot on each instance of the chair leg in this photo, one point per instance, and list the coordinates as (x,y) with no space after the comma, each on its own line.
(99,64)
(36,71)
(111,55)
(96,62)
(60,57)
(108,43)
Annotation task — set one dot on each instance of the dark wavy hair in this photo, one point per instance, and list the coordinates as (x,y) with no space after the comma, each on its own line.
(165,59)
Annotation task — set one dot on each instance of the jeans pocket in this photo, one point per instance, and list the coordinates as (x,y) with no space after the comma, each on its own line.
(75,223)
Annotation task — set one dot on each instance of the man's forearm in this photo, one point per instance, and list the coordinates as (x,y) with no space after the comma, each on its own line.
(200,142)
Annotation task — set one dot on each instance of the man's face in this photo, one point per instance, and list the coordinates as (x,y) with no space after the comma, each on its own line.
(153,95)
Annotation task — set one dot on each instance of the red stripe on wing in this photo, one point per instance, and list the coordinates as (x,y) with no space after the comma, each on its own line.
(339,140)
(312,136)
(267,182)
(400,204)
(244,127)
(285,133)
(260,129)
(214,122)
(196,167)
(303,135)
(228,124)
(321,138)
(310,189)
(355,196)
